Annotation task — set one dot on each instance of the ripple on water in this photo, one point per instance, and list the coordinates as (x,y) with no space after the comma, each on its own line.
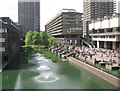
(32,61)
(36,54)
(46,79)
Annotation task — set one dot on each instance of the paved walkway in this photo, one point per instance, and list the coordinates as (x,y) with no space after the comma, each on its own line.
(108,56)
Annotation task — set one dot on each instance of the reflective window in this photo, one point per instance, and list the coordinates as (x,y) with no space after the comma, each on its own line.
(2,49)
(2,39)
(3,30)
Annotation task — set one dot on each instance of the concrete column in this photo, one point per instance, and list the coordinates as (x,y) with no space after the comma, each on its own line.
(105,44)
(98,44)
(113,45)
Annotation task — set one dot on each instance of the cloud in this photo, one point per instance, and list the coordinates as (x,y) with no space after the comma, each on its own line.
(9,8)
(49,8)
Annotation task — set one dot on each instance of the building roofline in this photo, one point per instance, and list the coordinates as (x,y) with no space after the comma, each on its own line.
(115,15)
(60,12)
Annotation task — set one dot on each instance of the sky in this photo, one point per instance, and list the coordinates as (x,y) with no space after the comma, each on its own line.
(49,8)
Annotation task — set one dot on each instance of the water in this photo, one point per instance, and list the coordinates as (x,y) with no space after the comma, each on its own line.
(42,73)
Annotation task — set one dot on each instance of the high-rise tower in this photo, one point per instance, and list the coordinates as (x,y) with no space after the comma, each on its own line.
(29,15)
(93,9)
(118,6)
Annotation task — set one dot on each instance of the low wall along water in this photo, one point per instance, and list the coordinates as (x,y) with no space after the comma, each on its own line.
(114,80)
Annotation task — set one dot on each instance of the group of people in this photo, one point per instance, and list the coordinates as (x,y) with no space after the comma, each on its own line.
(90,52)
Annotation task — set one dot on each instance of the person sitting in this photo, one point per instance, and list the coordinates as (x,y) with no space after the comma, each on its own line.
(86,58)
(95,52)
(102,60)
(114,61)
(90,56)
(95,60)
(114,55)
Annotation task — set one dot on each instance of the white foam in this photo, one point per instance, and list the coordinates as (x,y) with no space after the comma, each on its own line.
(46,79)
(44,67)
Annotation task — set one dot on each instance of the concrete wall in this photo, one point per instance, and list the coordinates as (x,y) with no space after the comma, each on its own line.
(114,80)
(115,22)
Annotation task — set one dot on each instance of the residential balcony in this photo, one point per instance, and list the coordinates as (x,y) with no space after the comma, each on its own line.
(105,33)
(106,38)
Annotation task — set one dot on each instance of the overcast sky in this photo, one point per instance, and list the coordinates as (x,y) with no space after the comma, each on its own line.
(49,8)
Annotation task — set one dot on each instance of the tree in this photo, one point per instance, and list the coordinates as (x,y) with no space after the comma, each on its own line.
(28,38)
(36,38)
(52,41)
(44,38)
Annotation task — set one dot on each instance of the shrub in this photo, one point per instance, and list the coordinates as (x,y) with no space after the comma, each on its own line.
(49,55)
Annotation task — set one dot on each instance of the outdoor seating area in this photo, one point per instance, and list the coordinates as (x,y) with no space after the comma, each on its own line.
(103,57)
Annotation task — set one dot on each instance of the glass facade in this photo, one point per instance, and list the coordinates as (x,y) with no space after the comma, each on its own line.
(2,39)
(2,49)
(3,30)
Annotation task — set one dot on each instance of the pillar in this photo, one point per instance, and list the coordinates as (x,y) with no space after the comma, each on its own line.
(113,45)
(105,44)
(98,44)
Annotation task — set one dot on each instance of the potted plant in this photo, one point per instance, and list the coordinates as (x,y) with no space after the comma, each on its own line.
(100,30)
(118,29)
(108,30)
(93,30)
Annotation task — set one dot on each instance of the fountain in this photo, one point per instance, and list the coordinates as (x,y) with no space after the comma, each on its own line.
(48,78)
(45,77)
(36,54)
(44,67)
(38,58)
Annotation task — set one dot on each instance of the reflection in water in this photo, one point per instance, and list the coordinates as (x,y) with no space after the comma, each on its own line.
(18,82)
(10,73)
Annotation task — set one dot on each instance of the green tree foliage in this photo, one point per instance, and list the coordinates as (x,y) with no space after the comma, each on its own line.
(52,41)
(28,38)
(36,39)
(41,39)
(44,39)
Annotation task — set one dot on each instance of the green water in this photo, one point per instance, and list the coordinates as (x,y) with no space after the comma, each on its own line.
(42,73)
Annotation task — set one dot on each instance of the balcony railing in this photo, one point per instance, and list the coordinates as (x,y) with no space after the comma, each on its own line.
(103,31)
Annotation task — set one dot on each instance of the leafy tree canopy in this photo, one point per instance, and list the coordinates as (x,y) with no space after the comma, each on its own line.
(42,38)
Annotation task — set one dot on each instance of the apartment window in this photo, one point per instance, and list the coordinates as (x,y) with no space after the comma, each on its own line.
(2,49)
(3,30)
(95,37)
(2,39)
(112,37)
(102,37)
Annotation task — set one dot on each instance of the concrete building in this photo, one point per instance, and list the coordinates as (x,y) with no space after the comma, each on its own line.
(66,27)
(118,7)
(9,40)
(93,9)
(105,32)
(29,15)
